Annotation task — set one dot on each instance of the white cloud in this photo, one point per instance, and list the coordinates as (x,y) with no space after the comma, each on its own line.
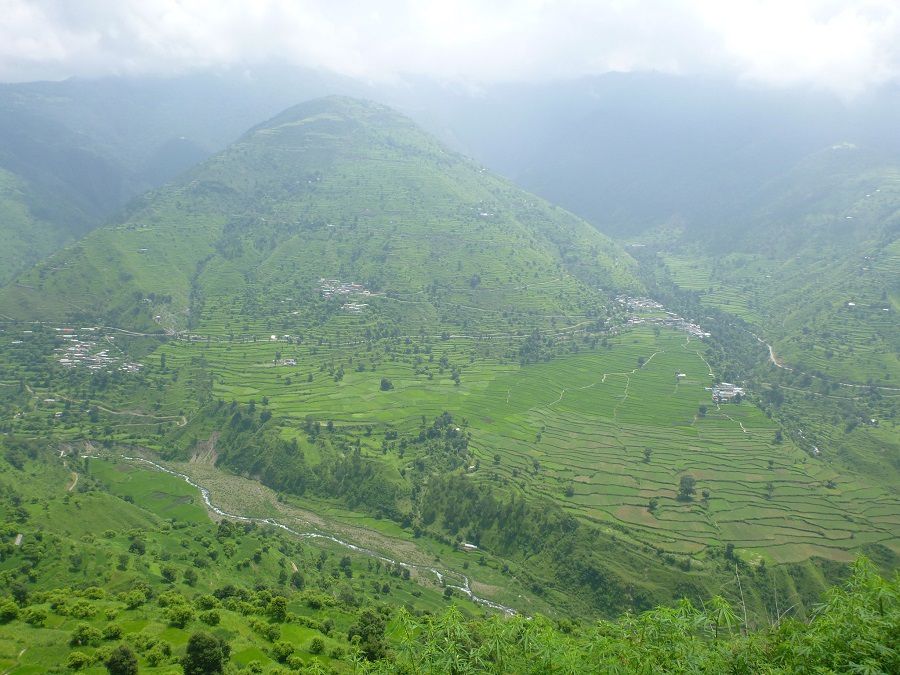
(843,45)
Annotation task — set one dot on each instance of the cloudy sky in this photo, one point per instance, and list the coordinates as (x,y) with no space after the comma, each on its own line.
(846,46)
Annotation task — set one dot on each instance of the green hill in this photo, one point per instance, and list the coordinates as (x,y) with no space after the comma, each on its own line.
(339,190)
(814,267)
(105,562)
(341,309)
(54,186)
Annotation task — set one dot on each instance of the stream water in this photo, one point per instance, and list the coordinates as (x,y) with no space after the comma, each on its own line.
(442,577)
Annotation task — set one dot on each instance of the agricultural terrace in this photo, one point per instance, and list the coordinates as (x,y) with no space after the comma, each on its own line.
(838,317)
(607,432)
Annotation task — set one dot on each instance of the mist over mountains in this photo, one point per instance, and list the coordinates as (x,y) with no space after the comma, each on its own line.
(301,370)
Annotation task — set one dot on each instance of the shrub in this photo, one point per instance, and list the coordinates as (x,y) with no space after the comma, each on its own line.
(8,611)
(282,651)
(179,616)
(112,632)
(210,617)
(85,635)
(122,661)
(36,616)
(78,660)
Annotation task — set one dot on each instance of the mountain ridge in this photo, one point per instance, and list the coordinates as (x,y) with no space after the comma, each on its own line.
(351,178)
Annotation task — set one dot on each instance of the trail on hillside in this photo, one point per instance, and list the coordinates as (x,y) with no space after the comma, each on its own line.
(774,361)
(182,419)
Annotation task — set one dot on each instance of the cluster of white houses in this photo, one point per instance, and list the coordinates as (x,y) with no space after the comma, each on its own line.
(333,287)
(649,312)
(78,351)
(725,392)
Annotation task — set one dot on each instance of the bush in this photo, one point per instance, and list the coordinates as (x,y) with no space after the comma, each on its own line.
(206,602)
(210,617)
(85,635)
(206,655)
(36,616)
(122,661)
(81,609)
(282,651)
(112,632)
(8,611)
(134,599)
(179,616)
(78,660)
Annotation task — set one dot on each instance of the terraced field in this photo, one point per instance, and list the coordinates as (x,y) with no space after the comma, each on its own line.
(577,430)
(837,317)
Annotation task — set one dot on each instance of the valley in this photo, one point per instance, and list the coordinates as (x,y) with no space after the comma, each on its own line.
(350,343)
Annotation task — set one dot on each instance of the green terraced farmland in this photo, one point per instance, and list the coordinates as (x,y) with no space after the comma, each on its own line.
(577,430)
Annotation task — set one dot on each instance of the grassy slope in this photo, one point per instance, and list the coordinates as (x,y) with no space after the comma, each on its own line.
(335,189)
(24,238)
(76,540)
(826,235)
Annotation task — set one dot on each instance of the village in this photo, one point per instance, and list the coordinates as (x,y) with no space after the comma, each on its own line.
(725,392)
(332,287)
(640,308)
(85,351)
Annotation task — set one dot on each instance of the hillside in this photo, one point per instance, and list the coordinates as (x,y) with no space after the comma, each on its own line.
(53,187)
(106,559)
(73,153)
(331,190)
(387,337)
(813,266)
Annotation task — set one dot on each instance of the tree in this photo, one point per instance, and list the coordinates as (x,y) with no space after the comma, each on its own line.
(729,551)
(206,655)
(78,660)
(179,615)
(282,651)
(8,611)
(122,661)
(368,633)
(85,635)
(277,609)
(779,436)
(647,454)
(687,487)
(701,411)
(386,384)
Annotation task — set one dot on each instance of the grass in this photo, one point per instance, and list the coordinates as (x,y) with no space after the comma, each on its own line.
(84,534)
(463,269)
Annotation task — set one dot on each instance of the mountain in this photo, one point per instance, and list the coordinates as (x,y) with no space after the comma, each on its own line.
(73,153)
(630,152)
(335,189)
(341,308)
(813,265)
(53,187)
